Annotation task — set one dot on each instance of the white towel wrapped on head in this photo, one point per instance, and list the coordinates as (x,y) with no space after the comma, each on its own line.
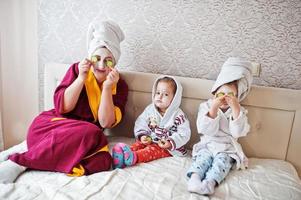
(104,34)
(233,69)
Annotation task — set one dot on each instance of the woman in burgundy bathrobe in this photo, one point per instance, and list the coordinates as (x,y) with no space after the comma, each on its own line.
(91,97)
(61,142)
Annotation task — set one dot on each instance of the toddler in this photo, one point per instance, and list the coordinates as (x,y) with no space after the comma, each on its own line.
(161,130)
(221,120)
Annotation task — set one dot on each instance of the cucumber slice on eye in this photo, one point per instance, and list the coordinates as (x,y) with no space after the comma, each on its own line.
(231,94)
(220,94)
(95,58)
(109,63)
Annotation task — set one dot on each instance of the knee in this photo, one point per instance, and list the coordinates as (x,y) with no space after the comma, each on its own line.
(223,157)
(91,131)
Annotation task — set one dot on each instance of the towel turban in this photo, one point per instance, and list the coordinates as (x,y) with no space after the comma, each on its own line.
(104,34)
(235,69)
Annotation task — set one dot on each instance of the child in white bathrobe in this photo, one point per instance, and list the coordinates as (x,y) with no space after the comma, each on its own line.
(221,121)
(161,130)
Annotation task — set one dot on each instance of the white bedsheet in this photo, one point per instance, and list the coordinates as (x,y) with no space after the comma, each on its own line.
(160,179)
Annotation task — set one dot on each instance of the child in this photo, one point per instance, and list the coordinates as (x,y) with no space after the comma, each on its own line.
(161,130)
(222,121)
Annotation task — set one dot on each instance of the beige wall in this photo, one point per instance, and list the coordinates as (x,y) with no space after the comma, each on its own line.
(19,67)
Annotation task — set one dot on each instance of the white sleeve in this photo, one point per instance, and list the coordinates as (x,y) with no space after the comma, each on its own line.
(141,125)
(240,126)
(205,124)
(182,136)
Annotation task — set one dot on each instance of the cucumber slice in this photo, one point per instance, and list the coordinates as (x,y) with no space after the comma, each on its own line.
(220,94)
(109,63)
(95,58)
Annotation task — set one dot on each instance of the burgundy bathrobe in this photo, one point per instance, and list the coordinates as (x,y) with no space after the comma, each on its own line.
(60,142)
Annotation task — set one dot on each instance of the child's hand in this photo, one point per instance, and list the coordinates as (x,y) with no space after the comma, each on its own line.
(233,102)
(216,103)
(83,68)
(145,139)
(164,144)
(112,78)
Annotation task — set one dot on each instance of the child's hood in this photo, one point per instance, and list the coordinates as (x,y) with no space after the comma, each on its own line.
(176,102)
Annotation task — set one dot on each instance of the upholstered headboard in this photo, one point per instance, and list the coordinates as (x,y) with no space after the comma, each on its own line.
(274,113)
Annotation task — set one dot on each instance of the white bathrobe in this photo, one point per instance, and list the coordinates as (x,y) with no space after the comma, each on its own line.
(221,134)
(173,126)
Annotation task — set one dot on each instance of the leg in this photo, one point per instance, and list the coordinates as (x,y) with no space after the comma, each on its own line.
(201,163)
(137,146)
(97,163)
(130,157)
(61,146)
(123,155)
(118,154)
(221,166)
(151,152)
(118,157)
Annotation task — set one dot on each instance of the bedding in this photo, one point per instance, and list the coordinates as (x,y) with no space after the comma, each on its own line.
(160,179)
(272,147)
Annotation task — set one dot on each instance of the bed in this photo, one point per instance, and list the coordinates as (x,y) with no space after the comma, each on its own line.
(273,146)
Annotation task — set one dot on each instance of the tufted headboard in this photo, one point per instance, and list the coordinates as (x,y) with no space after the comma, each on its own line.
(274,113)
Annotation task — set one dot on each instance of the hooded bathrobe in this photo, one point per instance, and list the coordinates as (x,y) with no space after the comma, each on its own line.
(221,134)
(173,126)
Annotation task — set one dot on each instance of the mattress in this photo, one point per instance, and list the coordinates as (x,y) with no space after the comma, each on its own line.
(161,179)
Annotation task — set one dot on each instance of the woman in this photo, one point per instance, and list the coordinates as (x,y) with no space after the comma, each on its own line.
(91,97)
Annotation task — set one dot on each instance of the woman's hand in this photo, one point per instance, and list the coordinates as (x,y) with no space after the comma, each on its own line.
(145,139)
(84,67)
(164,144)
(112,78)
